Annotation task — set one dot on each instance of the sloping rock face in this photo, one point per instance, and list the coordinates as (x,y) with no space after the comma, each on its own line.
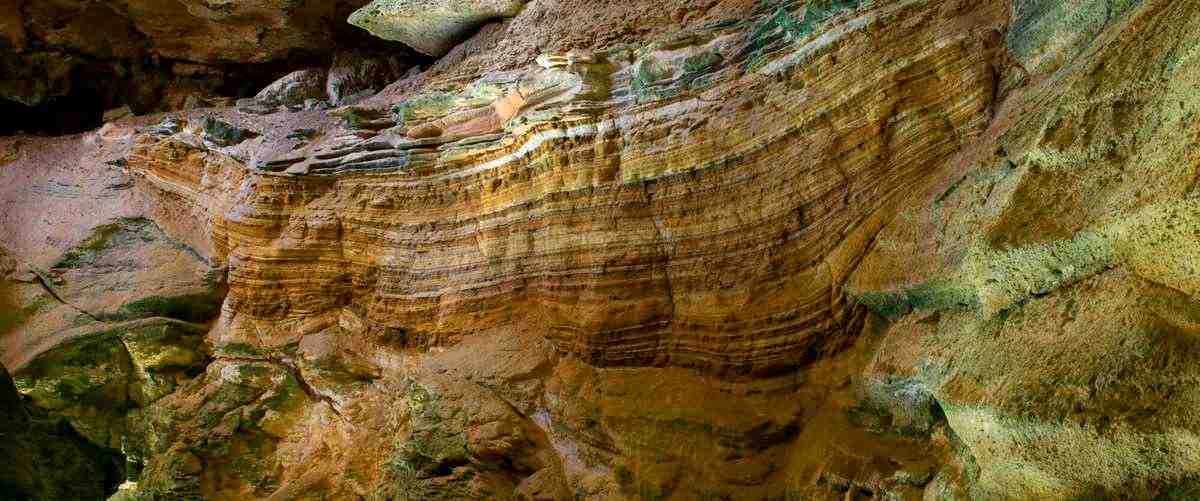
(919,249)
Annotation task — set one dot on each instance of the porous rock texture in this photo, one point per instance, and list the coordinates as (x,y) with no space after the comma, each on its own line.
(430,26)
(834,249)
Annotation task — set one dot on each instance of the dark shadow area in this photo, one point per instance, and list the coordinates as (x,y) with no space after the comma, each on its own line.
(56,116)
(45,458)
(71,91)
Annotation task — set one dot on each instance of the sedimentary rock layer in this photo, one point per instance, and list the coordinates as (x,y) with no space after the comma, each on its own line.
(713,229)
(917,249)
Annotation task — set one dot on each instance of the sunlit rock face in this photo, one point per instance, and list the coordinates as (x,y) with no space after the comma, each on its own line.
(830,249)
(430,26)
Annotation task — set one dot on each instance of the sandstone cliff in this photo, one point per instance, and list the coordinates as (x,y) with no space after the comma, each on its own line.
(716,249)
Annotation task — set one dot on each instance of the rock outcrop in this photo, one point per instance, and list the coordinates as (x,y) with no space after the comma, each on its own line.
(189,30)
(430,26)
(922,249)
(294,88)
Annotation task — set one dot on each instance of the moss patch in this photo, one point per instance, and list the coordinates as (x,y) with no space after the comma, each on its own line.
(435,445)
(94,380)
(197,307)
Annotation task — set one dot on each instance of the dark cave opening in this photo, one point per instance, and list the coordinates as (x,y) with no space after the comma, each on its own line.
(75,102)
(94,89)
(69,105)
(110,464)
(114,467)
(61,115)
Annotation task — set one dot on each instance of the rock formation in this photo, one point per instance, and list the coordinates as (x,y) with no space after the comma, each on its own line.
(64,62)
(432,27)
(727,249)
(46,458)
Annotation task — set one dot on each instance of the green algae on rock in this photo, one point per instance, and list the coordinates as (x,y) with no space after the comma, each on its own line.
(46,459)
(94,380)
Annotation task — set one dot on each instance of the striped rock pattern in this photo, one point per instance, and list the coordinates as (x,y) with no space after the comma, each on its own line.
(825,249)
(711,229)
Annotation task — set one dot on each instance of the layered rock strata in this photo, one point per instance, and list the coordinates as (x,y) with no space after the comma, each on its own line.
(826,250)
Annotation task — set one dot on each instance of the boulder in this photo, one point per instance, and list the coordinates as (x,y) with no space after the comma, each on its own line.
(294,88)
(432,27)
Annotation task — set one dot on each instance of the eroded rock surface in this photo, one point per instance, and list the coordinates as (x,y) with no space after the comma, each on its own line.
(834,249)
(430,26)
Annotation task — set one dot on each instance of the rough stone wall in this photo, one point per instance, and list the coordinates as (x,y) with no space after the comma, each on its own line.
(918,249)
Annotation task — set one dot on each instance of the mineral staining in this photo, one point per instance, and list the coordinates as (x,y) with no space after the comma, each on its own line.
(818,250)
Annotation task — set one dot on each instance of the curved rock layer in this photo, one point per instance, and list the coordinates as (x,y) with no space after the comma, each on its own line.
(637,237)
(835,249)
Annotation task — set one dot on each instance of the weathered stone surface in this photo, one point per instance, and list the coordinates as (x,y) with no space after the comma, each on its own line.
(190,30)
(117,114)
(430,26)
(294,88)
(1046,34)
(354,72)
(841,250)
(124,270)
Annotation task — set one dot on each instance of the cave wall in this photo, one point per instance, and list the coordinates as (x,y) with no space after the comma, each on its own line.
(836,249)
